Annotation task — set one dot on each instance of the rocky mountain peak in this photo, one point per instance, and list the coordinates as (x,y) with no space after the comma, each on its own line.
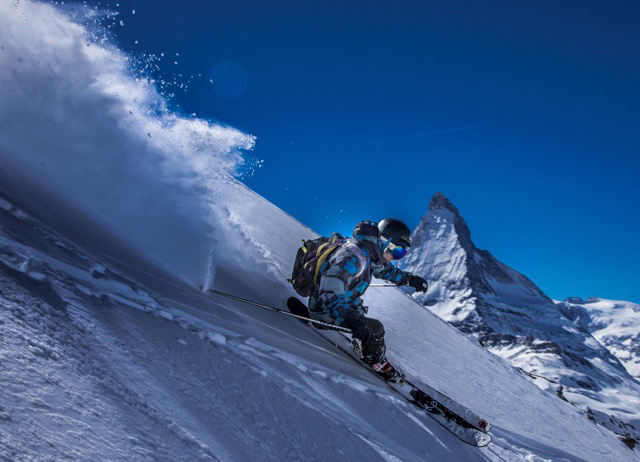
(440,201)
(472,289)
(441,207)
(513,318)
(482,272)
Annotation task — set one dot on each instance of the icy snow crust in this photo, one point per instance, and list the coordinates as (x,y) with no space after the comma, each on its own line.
(110,350)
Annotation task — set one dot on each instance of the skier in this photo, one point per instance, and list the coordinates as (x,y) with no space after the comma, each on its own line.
(345,276)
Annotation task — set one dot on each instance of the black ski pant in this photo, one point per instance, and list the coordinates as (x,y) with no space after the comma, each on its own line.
(370,332)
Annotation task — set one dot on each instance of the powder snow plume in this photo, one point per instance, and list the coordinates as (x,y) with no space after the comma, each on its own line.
(80,128)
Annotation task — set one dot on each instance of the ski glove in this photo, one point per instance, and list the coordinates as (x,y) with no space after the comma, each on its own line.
(418,283)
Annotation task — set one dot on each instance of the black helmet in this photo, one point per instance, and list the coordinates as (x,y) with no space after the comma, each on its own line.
(397,231)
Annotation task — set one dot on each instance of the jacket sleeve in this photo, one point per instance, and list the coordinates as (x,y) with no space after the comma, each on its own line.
(333,294)
(391,273)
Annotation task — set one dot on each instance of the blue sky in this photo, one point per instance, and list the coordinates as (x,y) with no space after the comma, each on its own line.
(525,114)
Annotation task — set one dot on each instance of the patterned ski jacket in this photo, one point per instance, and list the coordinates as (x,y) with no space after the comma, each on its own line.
(347,273)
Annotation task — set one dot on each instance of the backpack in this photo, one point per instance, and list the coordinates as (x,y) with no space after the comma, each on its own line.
(309,260)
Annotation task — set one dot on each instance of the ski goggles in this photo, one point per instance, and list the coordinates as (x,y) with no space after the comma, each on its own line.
(396,251)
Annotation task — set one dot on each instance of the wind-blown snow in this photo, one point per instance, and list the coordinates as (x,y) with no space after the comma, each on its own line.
(78,124)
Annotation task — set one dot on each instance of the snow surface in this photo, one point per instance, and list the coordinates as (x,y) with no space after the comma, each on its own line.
(110,350)
(99,362)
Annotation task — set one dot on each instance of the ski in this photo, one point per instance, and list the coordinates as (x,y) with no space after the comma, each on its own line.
(460,421)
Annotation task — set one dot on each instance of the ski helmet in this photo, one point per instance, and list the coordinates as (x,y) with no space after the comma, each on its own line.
(396,231)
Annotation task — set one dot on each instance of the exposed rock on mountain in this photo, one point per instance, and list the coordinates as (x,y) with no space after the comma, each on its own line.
(514,319)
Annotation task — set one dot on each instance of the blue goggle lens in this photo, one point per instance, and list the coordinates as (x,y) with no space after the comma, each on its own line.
(398,252)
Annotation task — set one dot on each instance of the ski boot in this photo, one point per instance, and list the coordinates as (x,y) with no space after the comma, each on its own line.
(385,370)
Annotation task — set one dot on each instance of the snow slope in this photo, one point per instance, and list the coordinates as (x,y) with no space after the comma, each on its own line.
(515,320)
(98,365)
(109,348)
(103,359)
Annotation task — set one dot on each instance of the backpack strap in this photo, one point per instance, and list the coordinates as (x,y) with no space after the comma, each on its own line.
(335,240)
(323,257)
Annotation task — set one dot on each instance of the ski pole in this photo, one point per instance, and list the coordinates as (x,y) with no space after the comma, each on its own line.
(382,285)
(278,310)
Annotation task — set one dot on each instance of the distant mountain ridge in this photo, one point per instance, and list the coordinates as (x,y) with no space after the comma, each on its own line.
(558,345)
(614,323)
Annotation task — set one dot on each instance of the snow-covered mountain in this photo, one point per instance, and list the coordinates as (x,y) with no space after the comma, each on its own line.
(114,213)
(615,323)
(514,319)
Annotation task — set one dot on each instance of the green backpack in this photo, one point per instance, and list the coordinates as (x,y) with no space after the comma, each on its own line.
(309,260)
